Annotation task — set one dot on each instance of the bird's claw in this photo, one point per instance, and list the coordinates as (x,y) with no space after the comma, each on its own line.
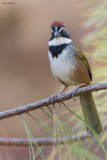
(73,92)
(52,97)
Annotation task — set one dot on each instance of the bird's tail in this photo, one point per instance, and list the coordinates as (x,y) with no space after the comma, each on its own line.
(90,113)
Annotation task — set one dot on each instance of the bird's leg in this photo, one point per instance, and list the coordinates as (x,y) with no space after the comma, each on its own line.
(73,90)
(62,91)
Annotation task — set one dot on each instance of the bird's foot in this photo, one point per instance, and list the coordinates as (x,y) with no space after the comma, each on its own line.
(73,90)
(52,97)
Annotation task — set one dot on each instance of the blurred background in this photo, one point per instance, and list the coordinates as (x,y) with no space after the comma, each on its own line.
(25,75)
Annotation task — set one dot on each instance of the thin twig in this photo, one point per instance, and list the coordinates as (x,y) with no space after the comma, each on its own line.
(43,141)
(50,109)
(47,101)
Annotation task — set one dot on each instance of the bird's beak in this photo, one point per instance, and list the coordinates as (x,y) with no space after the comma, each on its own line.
(57,34)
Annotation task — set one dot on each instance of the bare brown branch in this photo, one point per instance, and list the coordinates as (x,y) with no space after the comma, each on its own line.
(47,101)
(43,141)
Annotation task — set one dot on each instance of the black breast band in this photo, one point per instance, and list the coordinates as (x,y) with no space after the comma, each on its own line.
(56,50)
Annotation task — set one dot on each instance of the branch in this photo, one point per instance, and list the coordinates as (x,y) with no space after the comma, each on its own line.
(47,101)
(43,141)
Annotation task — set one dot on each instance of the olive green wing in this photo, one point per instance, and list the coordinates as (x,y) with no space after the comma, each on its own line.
(81,56)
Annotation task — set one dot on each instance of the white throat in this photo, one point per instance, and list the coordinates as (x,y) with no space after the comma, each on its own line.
(59,41)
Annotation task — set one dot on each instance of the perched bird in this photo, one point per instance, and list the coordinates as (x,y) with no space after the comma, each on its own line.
(69,65)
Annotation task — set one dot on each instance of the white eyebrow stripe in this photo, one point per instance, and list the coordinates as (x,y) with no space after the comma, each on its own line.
(61,29)
(52,30)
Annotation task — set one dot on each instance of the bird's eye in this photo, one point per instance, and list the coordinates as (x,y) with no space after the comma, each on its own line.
(62,31)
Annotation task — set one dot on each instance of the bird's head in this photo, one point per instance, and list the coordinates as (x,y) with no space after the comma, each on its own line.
(59,34)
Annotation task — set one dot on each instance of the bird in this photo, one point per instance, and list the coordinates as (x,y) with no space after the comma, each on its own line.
(70,67)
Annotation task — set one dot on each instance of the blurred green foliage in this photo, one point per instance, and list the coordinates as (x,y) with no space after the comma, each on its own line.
(96,19)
